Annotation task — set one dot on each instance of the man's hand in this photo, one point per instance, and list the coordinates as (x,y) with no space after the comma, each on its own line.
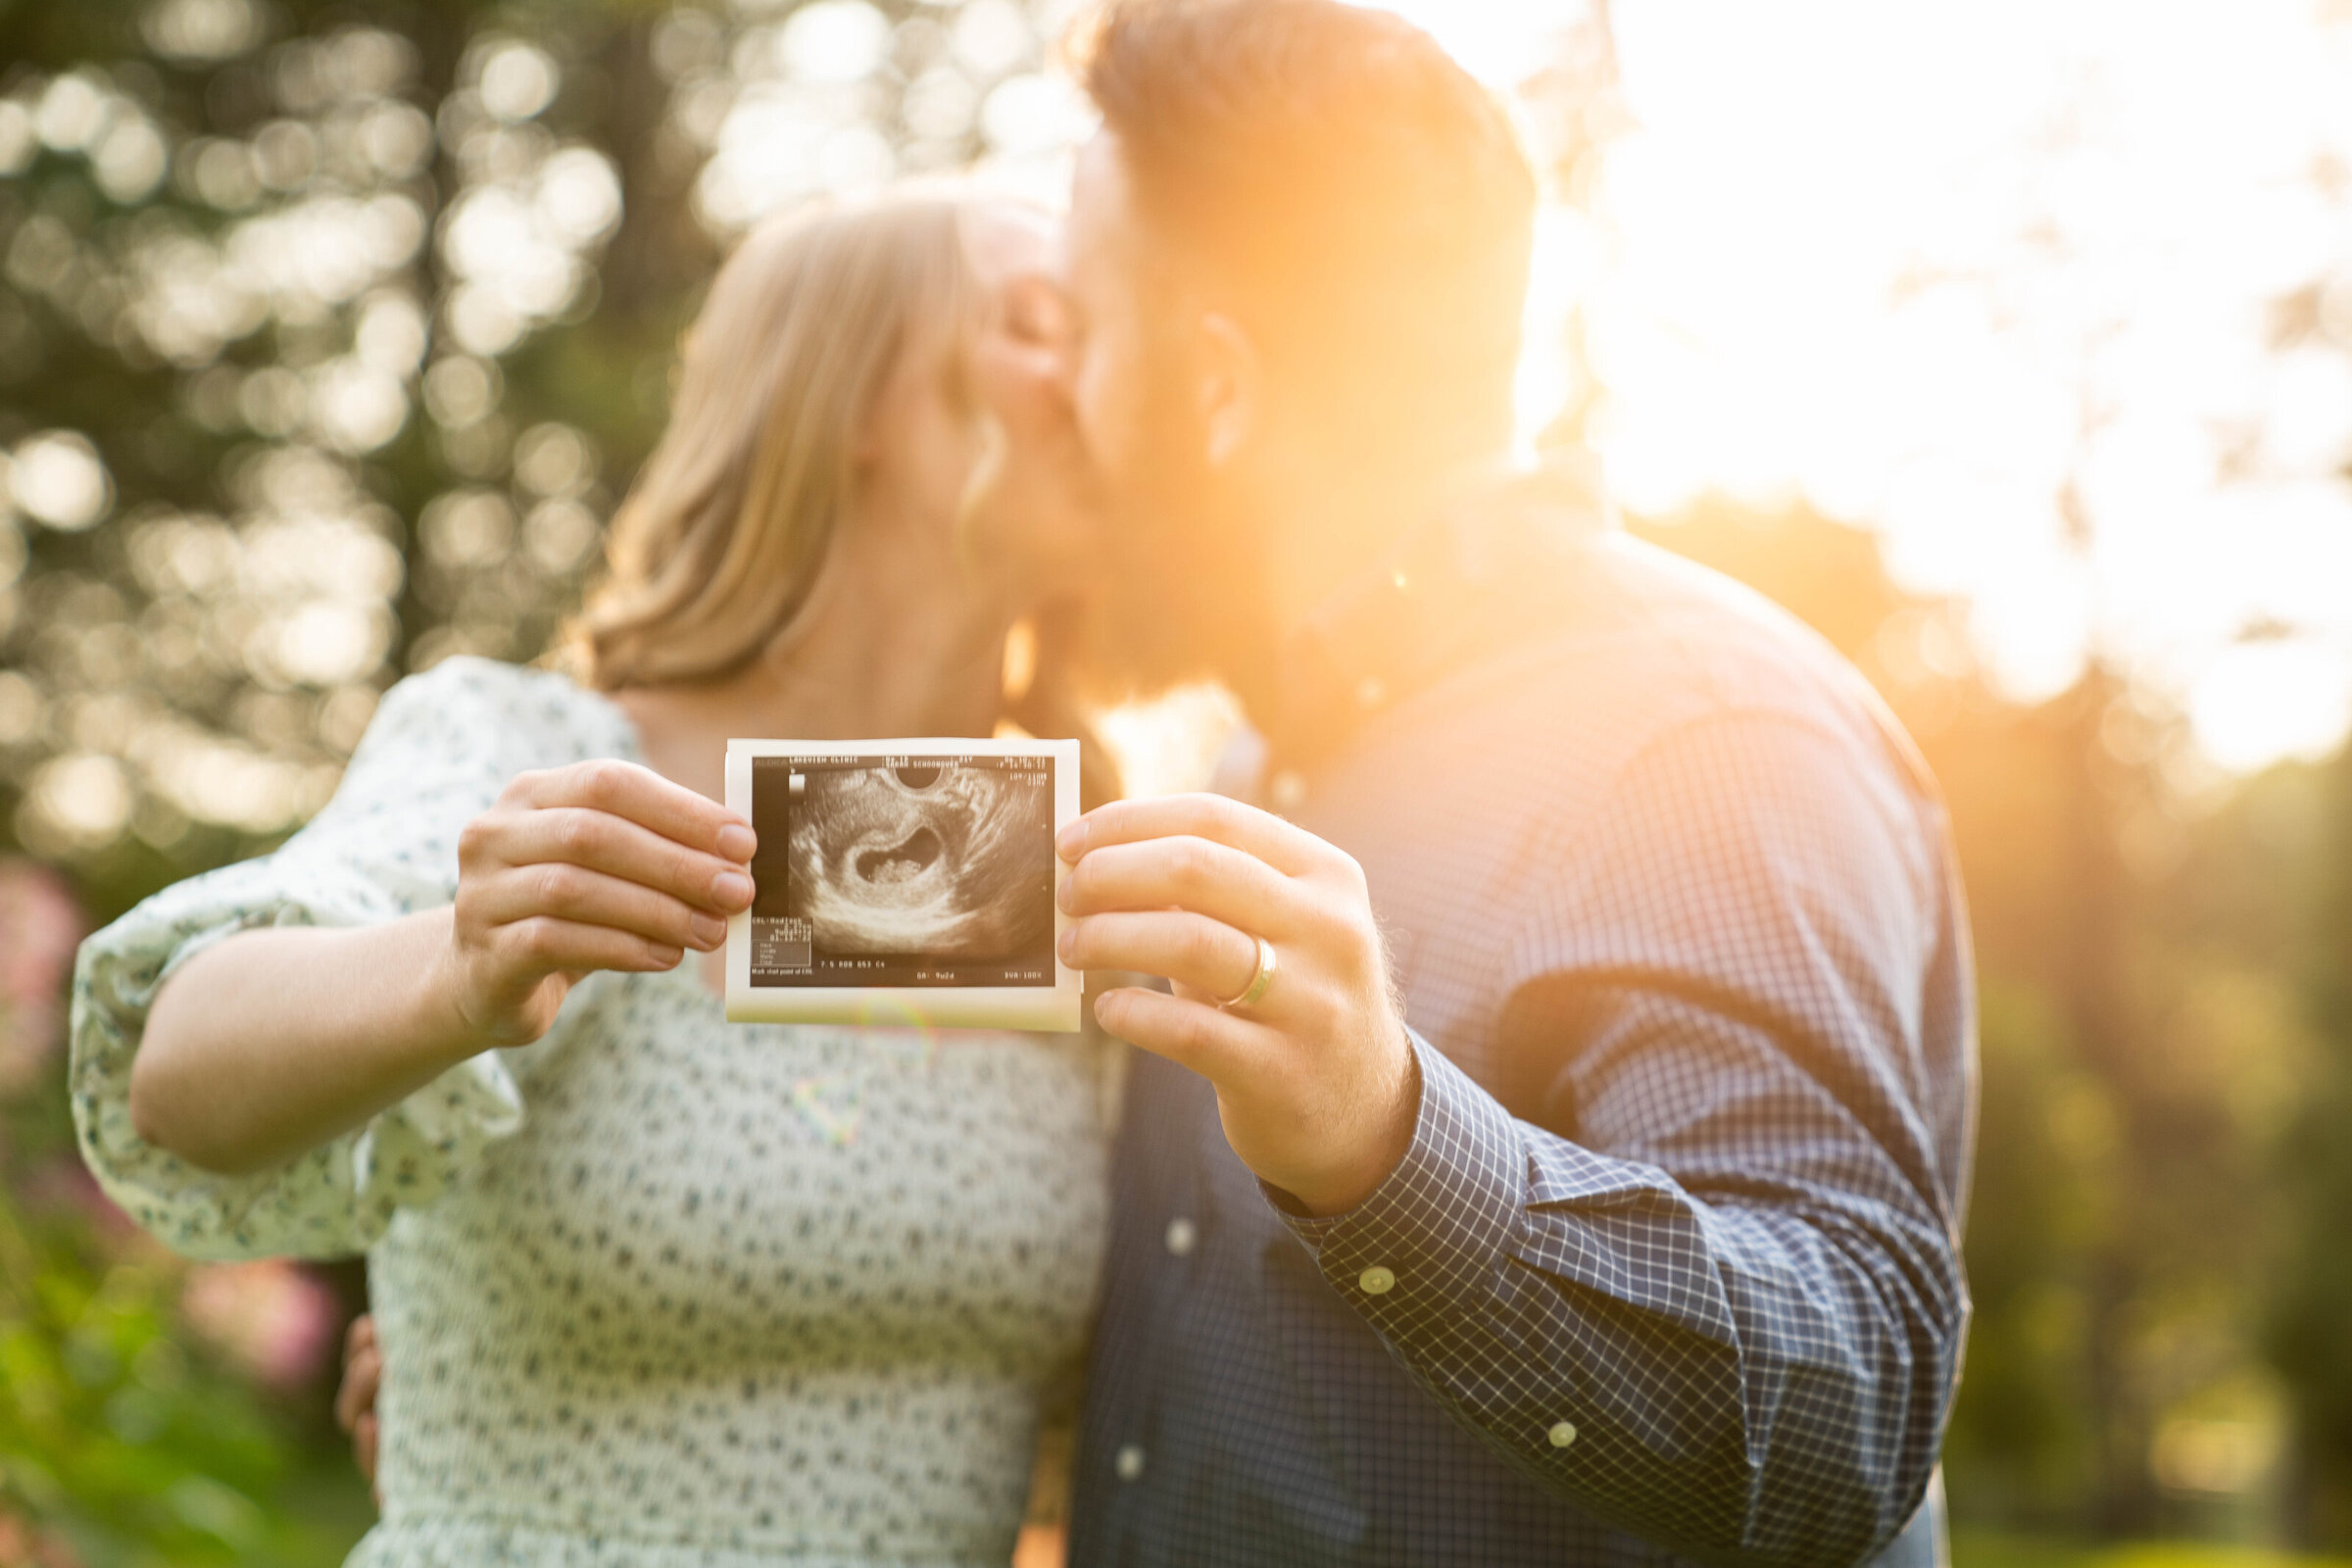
(1315,1080)
(355,1400)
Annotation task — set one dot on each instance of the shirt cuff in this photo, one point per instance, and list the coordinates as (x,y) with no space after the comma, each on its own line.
(1433,1238)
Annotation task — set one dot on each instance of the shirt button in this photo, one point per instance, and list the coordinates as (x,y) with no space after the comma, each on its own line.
(1182,1235)
(1130,1463)
(1562,1434)
(1376,1281)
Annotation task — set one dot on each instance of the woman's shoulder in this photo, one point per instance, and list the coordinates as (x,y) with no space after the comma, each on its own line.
(524,716)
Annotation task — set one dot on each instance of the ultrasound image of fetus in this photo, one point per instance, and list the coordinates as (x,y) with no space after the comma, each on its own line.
(945,862)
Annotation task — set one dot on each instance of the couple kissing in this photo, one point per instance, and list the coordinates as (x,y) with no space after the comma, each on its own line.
(1527,1111)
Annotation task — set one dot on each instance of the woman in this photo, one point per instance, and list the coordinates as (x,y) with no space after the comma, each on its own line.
(652,1288)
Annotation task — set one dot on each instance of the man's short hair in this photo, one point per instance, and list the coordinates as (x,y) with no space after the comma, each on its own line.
(1365,198)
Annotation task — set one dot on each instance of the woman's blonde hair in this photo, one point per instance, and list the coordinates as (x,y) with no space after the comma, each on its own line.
(724,533)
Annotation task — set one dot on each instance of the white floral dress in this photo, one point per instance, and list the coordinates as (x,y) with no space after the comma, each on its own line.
(657,1289)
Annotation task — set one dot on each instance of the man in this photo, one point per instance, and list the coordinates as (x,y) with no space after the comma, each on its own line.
(1556,1138)
(1642,1239)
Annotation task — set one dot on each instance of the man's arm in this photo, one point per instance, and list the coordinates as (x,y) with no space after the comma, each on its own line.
(1710,1289)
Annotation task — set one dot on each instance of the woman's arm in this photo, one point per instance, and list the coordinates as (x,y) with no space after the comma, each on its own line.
(274,1041)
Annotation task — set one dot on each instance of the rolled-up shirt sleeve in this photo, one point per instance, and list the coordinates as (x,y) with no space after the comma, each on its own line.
(1706,1283)
(383,847)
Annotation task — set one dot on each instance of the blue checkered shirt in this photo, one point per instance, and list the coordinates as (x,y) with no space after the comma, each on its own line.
(1671,1270)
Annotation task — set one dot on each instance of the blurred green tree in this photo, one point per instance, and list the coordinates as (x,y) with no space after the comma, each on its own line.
(2311,1299)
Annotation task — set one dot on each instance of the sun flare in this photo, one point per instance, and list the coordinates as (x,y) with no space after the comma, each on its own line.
(2026,325)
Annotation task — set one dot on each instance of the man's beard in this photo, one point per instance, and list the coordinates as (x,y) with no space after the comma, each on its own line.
(1184,596)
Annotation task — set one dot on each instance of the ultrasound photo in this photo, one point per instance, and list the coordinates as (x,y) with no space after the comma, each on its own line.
(902,880)
(901,871)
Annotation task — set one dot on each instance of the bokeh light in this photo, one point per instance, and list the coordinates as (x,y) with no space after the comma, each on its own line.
(57,478)
(2068,323)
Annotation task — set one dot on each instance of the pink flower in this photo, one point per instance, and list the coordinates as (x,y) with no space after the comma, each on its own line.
(40,926)
(21,1541)
(62,1186)
(270,1318)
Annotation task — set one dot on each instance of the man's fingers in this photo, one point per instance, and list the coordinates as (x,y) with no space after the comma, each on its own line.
(357,1396)
(1290,850)
(1220,1047)
(621,848)
(1185,873)
(591,898)
(646,797)
(362,1374)
(1192,950)
(355,1400)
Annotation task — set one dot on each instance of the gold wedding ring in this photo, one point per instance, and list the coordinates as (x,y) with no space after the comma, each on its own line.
(1260,980)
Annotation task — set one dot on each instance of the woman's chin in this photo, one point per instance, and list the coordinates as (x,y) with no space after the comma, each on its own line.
(1033,580)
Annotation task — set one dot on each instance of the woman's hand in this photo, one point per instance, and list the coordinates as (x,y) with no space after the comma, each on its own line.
(600,866)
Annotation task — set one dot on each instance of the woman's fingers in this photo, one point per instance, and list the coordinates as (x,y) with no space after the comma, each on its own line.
(1208,955)
(1189,873)
(617,847)
(645,798)
(601,866)
(575,893)
(543,943)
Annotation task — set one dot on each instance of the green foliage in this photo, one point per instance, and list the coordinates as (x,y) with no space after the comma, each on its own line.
(2011,1552)
(2022,1443)
(119,1443)
(2311,1304)
(131,1428)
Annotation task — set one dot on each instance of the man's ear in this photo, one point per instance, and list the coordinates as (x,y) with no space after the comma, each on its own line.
(1231,388)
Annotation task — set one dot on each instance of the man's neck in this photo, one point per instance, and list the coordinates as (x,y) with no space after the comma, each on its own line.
(1326,532)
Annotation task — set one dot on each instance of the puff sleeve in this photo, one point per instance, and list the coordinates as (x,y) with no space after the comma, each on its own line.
(441,747)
